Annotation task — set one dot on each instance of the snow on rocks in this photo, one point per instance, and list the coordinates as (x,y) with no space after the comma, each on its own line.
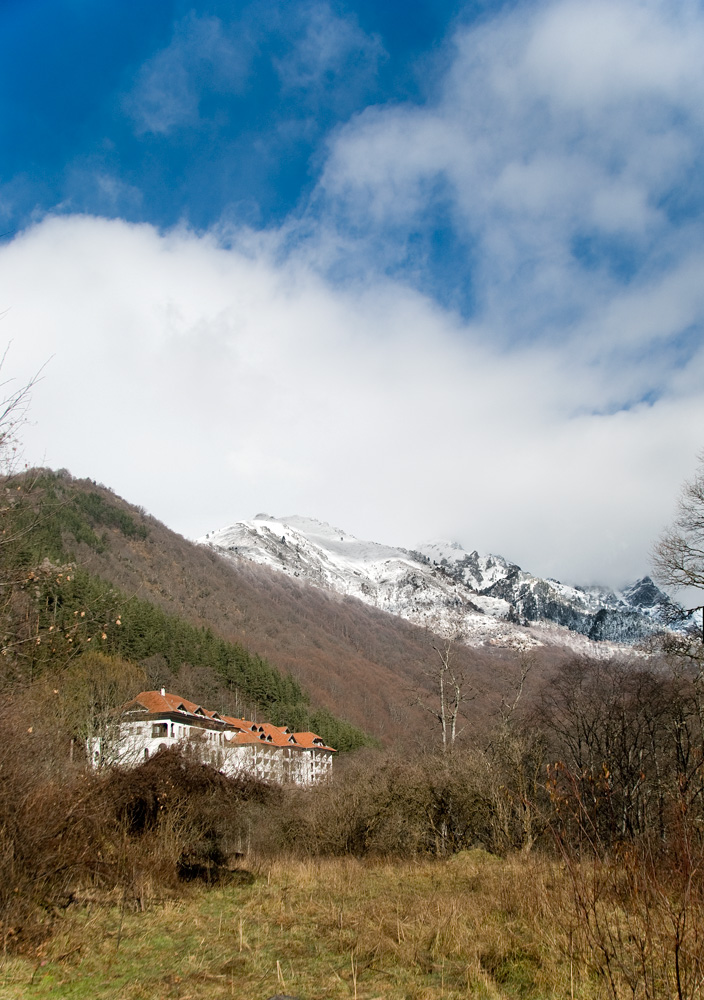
(481,599)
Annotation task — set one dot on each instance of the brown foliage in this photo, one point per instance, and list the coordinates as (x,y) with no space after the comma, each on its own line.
(65,830)
(387,804)
(638,903)
(628,805)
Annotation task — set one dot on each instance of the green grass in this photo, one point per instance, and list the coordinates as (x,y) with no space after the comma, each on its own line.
(470,927)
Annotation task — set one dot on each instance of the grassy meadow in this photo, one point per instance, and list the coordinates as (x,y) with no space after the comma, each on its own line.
(471,926)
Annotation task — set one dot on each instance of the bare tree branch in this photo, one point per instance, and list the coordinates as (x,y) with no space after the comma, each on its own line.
(678,557)
(14,407)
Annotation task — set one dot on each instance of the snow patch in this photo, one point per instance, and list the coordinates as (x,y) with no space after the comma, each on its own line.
(482,599)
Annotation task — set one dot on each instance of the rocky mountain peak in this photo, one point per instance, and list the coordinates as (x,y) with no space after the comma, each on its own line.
(485,599)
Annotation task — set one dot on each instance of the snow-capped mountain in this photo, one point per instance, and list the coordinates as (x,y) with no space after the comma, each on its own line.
(483,599)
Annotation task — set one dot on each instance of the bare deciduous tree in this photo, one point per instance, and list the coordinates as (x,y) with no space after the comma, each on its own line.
(679,555)
(13,414)
(450,684)
(449,679)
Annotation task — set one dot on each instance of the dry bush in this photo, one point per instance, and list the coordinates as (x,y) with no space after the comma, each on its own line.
(412,803)
(195,818)
(49,830)
(638,913)
(65,829)
(380,803)
(638,902)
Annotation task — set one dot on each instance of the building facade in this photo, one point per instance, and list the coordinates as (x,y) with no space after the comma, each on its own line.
(155,720)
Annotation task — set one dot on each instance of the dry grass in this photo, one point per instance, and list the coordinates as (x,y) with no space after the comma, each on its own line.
(472,926)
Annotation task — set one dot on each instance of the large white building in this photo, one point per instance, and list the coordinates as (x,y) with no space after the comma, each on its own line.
(155,720)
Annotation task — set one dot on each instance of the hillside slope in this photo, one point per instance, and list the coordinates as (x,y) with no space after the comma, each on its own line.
(374,669)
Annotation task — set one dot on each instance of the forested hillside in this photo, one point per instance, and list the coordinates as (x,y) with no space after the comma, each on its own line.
(221,633)
(57,613)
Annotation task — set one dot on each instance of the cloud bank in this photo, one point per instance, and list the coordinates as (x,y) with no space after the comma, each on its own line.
(486,322)
(207,384)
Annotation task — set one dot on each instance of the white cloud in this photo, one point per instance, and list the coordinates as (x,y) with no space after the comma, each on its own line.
(585,56)
(331,50)
(558,135)
(166,94)
(207,384)
(328,59)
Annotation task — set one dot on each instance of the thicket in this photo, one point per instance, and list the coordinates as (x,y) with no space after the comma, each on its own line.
(69,834)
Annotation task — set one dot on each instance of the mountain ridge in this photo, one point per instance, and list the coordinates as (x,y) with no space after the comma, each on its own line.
(371,669)
(485,598)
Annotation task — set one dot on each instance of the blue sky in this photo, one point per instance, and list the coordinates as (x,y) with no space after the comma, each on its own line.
(422,269)
(198,110)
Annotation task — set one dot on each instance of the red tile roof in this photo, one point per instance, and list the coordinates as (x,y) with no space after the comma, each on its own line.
(241,739)
(155,702)
(243,724)
(312,740)
(274,734)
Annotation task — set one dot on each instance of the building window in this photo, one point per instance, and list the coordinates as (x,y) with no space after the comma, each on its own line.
(159,729)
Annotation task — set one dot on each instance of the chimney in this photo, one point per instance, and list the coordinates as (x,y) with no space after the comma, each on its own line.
(163,692)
